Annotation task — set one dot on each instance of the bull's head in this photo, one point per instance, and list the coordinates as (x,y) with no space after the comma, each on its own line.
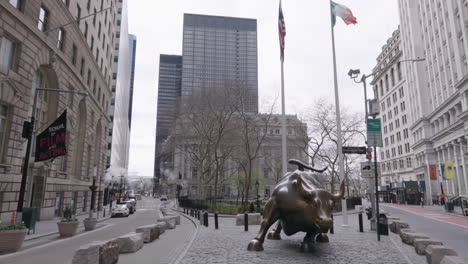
(320,200)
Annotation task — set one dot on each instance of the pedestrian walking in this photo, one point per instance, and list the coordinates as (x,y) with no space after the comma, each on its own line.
(422,201)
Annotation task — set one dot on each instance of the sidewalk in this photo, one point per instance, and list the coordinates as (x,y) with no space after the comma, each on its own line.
(457,211)
(229,243)
(49,227)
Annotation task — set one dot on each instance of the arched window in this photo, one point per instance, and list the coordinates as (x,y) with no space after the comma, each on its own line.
(381,87)
(80,140)
(387,87)
(399,72)
(47,102)
(97,150)
(392,76)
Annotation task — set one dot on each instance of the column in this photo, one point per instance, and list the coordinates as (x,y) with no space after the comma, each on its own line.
(428,180)
(457,171)
(464,174)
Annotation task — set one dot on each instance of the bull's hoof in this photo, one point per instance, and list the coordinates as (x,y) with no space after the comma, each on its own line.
(272,235)
(255,245)
(306,247)
(322,238)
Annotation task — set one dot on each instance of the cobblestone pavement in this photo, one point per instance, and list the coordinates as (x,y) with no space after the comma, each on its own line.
(347,245)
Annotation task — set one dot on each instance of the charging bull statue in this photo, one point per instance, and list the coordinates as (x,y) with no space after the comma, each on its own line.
(300,204)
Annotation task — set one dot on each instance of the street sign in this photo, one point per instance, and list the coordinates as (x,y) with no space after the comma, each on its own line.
(368,169)
(354,150)
(374,133)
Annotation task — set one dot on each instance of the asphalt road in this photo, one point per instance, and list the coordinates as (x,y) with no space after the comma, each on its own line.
(438,226)
(53,249)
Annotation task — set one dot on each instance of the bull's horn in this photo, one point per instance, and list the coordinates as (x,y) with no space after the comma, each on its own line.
(302,190)
(340,195)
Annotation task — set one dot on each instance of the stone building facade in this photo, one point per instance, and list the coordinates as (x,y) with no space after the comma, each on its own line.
(60,45)
(438,90)
(390,88)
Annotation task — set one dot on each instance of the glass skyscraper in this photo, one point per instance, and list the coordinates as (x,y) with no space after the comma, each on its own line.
(170,75)
(220,52)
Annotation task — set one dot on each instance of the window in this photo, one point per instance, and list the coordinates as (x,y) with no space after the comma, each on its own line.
(8,53)
(86,29)
(266,172)
(408,162)
(3,129)
(88,5)
(66,2)
(399,71)
(194,173)
(99,30)
(94,17)
(61,39)
(88,80)
(386,83)
(43,19)
(402,166)
(82,66)
(74,54)
(16,3)
(402,106)
(392,76)
(92,44)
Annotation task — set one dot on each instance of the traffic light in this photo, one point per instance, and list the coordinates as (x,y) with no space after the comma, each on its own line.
(27,129)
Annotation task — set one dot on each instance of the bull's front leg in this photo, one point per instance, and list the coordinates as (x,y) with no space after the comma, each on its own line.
(270,216)
(275,234)
(322,238)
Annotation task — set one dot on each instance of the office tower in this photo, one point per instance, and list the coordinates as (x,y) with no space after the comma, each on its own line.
(169,89)
(220,52)
(133,45)
(119,136)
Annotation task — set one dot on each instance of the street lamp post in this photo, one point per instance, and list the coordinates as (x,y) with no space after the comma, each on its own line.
(353,74)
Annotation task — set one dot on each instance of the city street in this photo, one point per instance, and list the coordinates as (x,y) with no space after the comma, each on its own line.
(52,249)
(450,229)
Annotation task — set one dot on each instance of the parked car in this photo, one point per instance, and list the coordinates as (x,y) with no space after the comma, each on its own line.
(131,205)
(163,198)
(120,209)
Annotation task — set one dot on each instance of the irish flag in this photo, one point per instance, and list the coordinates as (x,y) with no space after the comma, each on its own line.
(343,12)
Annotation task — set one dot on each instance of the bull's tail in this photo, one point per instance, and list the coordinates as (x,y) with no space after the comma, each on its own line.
(303,165)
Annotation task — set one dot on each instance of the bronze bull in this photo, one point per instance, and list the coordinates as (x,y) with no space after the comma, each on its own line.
(299,203)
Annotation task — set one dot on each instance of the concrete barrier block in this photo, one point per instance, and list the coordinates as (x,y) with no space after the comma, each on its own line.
(420,244)
(400,225)
(97,252)
(130,243)
(87,254)
(253,219)
(412,236)
(453,260)
(150,232)
(404,234)
(109,252)
(162,227)
(435,253)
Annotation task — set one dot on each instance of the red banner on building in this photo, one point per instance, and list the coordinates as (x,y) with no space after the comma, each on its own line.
(433,172)
(51,142)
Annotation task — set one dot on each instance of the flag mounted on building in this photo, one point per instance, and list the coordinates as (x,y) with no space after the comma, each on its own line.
(51,143)
(281,31)
(343,12)
(449,170)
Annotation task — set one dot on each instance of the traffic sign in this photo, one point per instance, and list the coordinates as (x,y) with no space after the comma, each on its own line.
(354,150)
(374,133)
(368,169)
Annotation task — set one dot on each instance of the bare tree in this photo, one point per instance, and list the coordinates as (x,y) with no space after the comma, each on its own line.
(322,137)
(203,129)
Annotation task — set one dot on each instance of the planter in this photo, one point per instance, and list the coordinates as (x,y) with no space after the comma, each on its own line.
(68,229)
(89,224)
(12,240)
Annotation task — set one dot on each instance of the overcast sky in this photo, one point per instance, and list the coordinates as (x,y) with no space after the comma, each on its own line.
(308,54)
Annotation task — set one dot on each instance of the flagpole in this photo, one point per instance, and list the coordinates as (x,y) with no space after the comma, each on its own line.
(338,122)
(283,122)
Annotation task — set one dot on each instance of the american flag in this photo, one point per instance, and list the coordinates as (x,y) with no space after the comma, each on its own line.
(281,31)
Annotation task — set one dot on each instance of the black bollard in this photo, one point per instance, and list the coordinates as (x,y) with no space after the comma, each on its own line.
(198,214)
(361,228)
(332,230)
(246,222)
(205,219)
(216,220)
